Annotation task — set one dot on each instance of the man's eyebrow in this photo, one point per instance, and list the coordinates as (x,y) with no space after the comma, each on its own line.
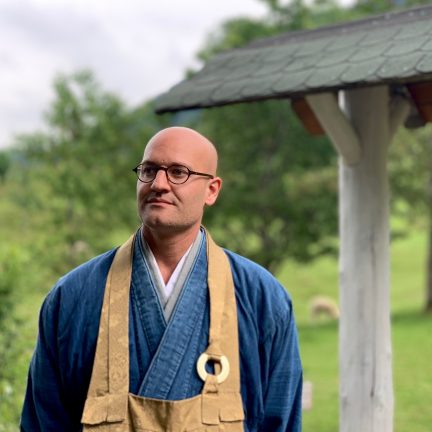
(150,162)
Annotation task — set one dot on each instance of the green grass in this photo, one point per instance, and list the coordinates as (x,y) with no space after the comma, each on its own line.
(412,351)
(411,338)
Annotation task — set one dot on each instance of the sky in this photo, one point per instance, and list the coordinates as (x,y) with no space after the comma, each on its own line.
(136,48)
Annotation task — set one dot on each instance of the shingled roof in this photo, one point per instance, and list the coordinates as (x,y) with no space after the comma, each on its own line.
(391,48)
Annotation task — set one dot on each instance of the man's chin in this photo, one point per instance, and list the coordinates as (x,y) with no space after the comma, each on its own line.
(159,224)
(164,227)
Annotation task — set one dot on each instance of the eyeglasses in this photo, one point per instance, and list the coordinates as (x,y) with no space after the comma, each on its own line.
(176,174)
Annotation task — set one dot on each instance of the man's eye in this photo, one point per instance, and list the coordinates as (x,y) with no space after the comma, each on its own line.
(148,171)
(178,171)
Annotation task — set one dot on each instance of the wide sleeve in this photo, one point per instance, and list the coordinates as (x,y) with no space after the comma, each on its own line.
(283,392)
(45,407)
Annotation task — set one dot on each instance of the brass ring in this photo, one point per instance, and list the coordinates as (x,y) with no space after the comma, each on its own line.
(225,368)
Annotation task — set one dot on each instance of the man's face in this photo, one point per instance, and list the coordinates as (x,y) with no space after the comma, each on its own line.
(165,207)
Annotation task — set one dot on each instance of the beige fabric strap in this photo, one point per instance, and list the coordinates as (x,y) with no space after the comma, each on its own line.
(110,407)
(110,373)
(223,332)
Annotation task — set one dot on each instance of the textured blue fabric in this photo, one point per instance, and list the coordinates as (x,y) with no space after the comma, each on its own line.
(163,355)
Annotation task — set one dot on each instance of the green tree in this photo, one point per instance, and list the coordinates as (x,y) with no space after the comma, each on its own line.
(410,168)
(12,261)
(280,190)
(4,165)
(78,174)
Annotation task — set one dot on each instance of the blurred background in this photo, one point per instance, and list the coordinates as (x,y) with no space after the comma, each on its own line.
(78,80)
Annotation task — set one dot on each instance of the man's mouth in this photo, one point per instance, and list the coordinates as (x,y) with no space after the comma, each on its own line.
(158,201)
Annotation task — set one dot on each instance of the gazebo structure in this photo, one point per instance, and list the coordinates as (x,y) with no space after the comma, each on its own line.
(358,82)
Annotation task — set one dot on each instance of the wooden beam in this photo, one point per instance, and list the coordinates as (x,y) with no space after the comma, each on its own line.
(421,94)
(336,125)
(365,354)
(307,116)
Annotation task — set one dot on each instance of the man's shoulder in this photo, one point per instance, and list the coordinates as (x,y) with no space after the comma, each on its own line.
(257,287)
(250,271)
(96,266)
(83,281)
(248,267)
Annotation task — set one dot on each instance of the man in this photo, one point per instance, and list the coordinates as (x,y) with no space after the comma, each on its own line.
(190,337)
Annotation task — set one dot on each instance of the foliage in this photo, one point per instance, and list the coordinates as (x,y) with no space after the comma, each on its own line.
(280,191)
(12,262)
(411,152)
(373,7)
(78,174)
(4,165)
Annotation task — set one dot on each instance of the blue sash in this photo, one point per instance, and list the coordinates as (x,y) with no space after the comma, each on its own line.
(167,358)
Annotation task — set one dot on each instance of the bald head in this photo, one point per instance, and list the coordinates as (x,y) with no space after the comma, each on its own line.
(167,207)
(184,146)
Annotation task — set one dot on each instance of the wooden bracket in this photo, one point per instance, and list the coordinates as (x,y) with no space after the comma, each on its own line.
(307,116)
(421,94)
(337,126)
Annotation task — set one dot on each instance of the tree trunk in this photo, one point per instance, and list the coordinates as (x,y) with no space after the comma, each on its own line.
(428,306)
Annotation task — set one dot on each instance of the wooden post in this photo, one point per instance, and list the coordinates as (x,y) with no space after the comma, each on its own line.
(365,356)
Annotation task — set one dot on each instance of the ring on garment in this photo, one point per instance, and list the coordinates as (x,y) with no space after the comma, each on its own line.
(225,367)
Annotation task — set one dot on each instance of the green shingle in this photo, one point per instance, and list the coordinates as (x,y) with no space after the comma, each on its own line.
(291,82)
(260,87)
(425,65)
(229,91)
(313,47)
(371,52)
(379,35)
(242,58)
(334,58)
(407,46)
(241,71)
(427,46)
(345,41)
(275,54)
(419,29)
(362,72)
(325,76)
(267,69)
(195,95)
(302,63)
(400,66)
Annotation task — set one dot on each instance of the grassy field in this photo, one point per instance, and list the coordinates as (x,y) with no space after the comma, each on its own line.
(411,337)
(412,344)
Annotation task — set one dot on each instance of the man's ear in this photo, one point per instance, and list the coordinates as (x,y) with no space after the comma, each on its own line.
(214,187)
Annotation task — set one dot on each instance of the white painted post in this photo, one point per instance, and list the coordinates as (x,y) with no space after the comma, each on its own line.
(366,388)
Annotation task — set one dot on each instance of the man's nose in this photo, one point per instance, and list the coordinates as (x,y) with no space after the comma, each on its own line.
(160,182)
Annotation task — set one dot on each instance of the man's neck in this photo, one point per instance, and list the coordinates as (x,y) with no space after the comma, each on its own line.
(169,249)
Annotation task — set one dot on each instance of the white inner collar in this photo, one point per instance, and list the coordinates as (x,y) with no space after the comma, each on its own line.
(169,286)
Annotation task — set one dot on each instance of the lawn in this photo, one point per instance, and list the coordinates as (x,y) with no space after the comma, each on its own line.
(411,337)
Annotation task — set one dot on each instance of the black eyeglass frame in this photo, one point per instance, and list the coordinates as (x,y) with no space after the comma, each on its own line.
(159,167)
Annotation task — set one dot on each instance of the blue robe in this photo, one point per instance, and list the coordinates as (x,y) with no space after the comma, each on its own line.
(163,354)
